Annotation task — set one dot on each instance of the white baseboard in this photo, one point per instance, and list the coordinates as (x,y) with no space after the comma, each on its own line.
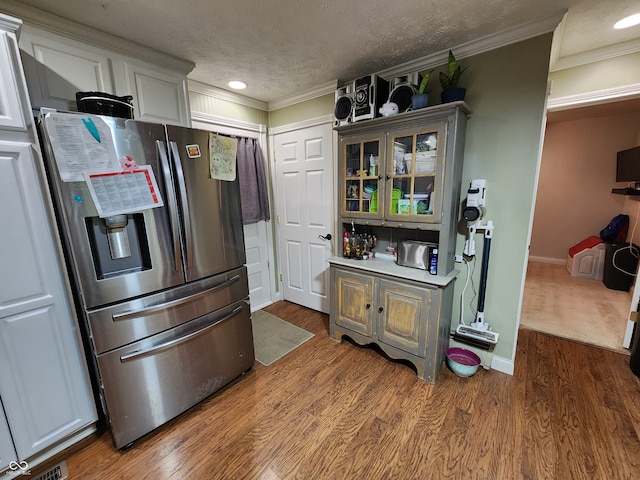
(503,365)
(555,261)
(260,306)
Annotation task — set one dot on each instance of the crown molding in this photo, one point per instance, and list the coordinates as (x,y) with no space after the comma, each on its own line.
(475,47)
(10,23)
(227,96)
(78,32)
(481,45)
(327,88)
(597,55)
(558,34)
(593,98)
(228,122)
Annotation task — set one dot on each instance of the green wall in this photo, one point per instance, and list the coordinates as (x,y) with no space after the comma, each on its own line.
(506,91)
(302,111)
(199,102)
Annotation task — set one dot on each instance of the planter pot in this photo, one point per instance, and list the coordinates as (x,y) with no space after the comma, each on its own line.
(453,94)
(419,100)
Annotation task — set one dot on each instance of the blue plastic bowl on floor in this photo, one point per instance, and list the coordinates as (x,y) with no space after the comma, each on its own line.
(462,362)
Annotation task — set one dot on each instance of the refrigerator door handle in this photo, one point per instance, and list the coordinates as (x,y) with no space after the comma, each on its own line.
(176,341)
(186,217)
(171,202)
(128,314)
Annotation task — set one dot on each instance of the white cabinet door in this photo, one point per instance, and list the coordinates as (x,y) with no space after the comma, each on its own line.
(7,453)
(45,389)
(57,67)
(159,96)
(11,111)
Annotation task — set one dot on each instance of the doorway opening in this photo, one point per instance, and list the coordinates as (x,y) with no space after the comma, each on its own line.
(574,201)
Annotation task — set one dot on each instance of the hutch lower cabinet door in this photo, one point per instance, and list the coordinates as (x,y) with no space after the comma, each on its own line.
(404,318)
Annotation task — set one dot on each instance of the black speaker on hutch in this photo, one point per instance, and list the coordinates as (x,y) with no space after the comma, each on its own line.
(403,87)
(343,109)
(370,93)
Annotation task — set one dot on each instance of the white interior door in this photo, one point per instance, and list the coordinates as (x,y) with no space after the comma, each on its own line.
(256,245)
(304,202)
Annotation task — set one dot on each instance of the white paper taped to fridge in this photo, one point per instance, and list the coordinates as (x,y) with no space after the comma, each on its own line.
(124,191)
(80,143)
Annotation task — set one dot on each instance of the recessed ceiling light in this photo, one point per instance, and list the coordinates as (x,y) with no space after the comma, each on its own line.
(628,22)
(236,84)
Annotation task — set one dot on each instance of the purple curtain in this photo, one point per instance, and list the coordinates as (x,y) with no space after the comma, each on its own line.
(253,181)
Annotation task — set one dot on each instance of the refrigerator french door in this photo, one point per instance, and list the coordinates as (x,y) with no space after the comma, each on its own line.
(162,291)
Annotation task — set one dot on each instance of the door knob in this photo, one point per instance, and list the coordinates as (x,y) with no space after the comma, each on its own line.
(325,237)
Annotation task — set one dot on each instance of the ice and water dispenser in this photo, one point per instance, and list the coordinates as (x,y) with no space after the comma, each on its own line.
(119,244)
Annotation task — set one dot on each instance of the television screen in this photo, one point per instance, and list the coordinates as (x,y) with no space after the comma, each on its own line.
(628,166)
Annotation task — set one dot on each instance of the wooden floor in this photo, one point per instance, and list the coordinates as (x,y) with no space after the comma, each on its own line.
(579,309)
(340,411)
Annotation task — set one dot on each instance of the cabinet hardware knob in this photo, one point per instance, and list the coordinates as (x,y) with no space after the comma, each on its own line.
(368,306)
(388,176)
(380,309)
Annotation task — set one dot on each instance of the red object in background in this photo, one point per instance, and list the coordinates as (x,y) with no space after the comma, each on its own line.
(588,242)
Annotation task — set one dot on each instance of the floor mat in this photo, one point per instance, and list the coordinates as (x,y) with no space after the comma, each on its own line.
(273,338)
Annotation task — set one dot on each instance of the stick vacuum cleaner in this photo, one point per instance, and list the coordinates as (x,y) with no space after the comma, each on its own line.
(478,330)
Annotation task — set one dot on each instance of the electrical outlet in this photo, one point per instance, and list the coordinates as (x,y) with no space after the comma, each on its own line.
(458,258)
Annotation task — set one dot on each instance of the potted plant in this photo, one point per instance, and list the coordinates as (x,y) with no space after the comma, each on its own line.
(450,90)
(421,99)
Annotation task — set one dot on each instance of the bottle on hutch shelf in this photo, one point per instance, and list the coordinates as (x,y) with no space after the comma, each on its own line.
(433,262)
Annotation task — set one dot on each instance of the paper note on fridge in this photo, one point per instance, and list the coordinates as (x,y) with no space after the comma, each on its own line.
(123,191)
(80,143)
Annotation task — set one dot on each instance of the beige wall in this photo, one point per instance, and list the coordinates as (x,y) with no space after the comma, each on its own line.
(577,174)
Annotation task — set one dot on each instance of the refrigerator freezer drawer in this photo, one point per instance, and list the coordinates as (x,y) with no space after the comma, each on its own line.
(147,383)
(121,324)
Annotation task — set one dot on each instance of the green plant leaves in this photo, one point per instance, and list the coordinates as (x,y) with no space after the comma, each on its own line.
(425,80)
(455,70)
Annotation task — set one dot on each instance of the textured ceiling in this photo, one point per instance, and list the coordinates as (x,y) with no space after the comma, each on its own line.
(283,47)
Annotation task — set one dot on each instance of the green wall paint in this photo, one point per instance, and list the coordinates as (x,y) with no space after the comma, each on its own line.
(215,106)
(302,111)
(506,90)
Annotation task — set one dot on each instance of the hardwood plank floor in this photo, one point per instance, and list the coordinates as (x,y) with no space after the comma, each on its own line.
(335,410)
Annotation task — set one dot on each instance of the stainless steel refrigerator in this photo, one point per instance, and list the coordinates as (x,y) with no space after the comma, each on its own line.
(162,291)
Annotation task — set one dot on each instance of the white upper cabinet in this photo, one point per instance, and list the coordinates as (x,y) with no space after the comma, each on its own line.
(158,96)
(56,70)
(58,66)
(11,110)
